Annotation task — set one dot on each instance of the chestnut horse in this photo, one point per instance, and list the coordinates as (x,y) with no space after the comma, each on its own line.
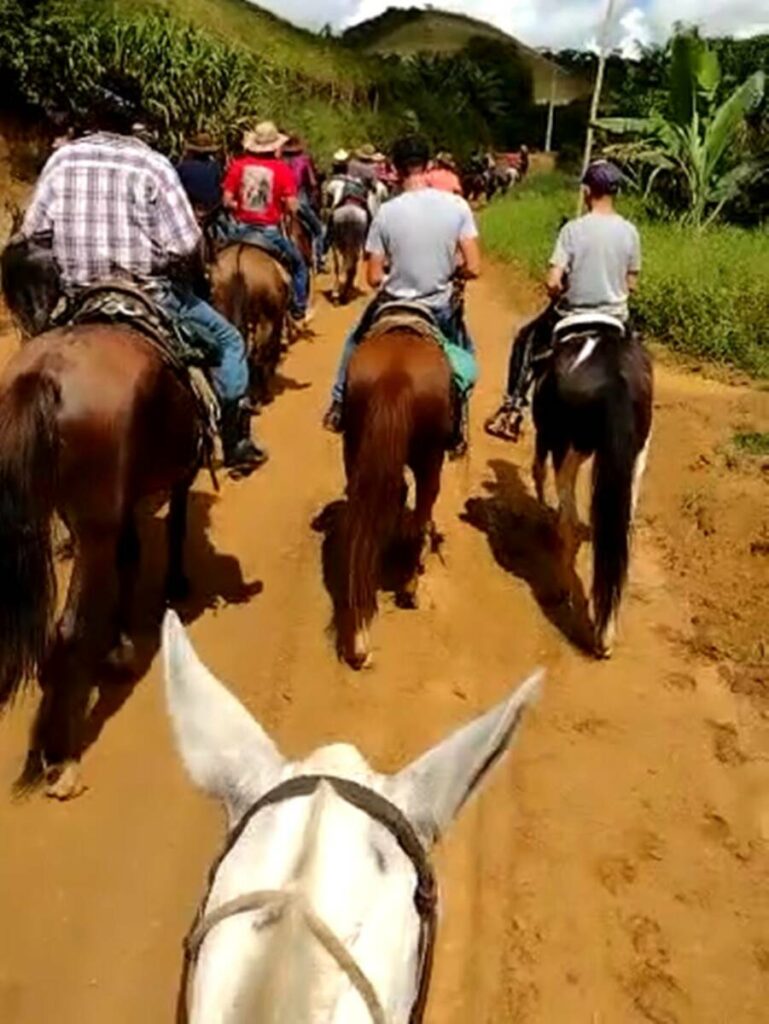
(398,413)
(253,290)
(92,419)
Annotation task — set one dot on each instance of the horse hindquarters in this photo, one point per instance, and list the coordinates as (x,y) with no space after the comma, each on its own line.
(377,435)
(29,443)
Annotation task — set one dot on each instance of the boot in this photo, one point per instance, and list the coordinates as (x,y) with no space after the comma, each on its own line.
(241,455)
(460,440)
(332,421)
(506,422)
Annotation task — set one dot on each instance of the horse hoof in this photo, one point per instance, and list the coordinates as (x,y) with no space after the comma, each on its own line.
(122,656)
(65,781)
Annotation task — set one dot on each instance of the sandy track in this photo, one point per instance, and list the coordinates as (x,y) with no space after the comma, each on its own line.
(616,867)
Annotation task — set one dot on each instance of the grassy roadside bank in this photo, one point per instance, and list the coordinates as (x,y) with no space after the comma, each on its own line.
(702,294)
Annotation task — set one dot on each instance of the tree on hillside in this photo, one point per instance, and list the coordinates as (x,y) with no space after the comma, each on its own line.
(695,151)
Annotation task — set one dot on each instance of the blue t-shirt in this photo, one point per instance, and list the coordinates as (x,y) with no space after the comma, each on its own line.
(419,234)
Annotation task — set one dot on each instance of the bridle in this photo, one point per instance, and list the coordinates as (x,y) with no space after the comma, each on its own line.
(380,810)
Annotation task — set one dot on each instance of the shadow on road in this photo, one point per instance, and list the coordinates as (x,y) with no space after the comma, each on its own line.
(523,539)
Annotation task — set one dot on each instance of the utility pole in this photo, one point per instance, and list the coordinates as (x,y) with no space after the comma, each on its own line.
(603,52)
(551,113)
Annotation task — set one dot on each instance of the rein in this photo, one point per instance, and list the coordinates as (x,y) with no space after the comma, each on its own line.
(379,809)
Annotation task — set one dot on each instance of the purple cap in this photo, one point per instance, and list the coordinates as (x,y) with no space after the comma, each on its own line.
(603,177)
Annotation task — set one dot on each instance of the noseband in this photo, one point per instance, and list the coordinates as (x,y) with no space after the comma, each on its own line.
(379,809)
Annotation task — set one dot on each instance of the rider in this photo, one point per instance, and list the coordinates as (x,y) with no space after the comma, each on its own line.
(413,251)
(115,208)
(594,269)
(260,190)
(443,175)
(306,179)
(339,190)
(201,174)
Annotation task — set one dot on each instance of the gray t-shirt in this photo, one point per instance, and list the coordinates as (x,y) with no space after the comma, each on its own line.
(418,233)
(597,252)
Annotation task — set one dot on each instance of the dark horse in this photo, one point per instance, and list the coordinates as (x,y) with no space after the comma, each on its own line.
(92,419)
(398,413)
(252,290)
(350,224)
(595,398)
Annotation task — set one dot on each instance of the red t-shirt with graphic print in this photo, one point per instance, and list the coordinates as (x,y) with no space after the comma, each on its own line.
(261,186)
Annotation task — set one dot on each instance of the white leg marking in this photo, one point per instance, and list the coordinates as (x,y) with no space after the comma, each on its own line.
(638,473)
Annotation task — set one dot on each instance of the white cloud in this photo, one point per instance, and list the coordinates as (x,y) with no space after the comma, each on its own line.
(554,23)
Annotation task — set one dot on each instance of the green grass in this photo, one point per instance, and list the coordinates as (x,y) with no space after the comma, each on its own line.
(752,442)
(704,294)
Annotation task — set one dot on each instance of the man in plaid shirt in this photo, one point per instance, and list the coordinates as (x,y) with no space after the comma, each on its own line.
(114,208)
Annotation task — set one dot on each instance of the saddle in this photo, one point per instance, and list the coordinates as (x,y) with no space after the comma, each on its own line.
(121,302)
(413,316)
(258,241)
(399,314)
(585,323)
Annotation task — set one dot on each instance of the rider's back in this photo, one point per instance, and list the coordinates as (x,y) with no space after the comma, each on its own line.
(598,252)
(419,232)
(112,205)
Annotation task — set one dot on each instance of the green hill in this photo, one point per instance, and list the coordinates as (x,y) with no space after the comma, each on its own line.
(244,24)
(409,32)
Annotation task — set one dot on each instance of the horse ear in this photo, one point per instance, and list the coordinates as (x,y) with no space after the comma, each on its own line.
(225,751)
(433,788)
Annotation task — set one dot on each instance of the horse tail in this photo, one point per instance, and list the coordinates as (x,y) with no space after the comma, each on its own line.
(29,443)
(612,501)
(375,490)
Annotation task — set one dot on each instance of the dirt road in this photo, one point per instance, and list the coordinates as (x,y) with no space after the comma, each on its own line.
(615,869)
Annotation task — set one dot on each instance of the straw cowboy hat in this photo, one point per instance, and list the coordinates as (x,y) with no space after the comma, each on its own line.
(265,138)
(201,142)
(341,156)
(366,152)
(446,159)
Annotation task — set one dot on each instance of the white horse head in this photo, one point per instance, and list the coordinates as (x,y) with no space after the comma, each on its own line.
(319,850)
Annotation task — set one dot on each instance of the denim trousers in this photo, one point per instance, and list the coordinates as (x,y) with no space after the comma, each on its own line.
(230,378)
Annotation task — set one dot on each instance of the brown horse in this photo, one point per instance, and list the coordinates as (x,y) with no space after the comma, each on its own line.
(91,420)
(398,413)
(253,290)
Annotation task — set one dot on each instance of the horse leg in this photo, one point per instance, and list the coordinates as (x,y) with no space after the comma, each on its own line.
(337,294)
(427,474)
(83,639)
(638,474)
(568,520)
(539,469)
(121,657)
(177,586)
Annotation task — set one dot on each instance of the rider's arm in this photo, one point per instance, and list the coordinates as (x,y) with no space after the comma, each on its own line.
(469,248)
(376,254)
(634,265)
(231,185)
(560,262)
(178,232)
(375,270)
(632,281)
(38,219)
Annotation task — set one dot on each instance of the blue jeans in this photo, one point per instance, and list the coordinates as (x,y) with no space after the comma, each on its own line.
(231,376)
(278,241)
(449,320)
(315,224)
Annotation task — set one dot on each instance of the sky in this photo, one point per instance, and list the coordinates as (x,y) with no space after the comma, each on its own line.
(555,24)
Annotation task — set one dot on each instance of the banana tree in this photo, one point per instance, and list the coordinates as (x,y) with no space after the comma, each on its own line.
(695,145)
